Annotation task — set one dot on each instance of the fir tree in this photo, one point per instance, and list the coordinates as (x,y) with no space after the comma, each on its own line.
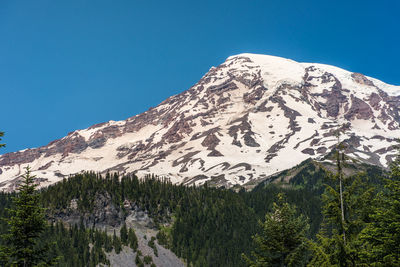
(117,243)
(282,241)
(340,158)
(124,234)
(153,245)
(138,261)
(27,223)
(381,237)
(1,135)
(132,239)
(338,239)
(147,259)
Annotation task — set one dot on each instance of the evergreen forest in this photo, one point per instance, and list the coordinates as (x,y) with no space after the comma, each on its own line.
(207,226)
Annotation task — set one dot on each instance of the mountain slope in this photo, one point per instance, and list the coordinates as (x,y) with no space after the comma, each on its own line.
(250,117)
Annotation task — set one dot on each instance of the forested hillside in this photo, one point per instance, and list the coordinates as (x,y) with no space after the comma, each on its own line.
(204,226)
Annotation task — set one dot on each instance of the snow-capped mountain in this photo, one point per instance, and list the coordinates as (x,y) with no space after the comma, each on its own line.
(250,117)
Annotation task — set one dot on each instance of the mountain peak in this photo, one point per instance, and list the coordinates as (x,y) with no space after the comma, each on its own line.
(259,57)
(246,119)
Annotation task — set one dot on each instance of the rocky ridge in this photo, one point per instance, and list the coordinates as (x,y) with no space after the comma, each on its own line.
(248,118)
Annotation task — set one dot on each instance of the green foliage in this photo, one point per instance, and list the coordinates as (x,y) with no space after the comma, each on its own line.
(282,241)
(6,204)
(26,226)
(306,198)
(164,236)
(210,225)
(138,261)
(333,247)
(69,245)
(381,236)
(117,243)
(1,135)
(310,176)
(153,245)
(74,244)
(202,225)
(147,259)
(124,234)
(132,239)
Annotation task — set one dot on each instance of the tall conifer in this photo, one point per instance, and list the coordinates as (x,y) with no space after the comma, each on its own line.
(282,241)
(381,237)
(27,223)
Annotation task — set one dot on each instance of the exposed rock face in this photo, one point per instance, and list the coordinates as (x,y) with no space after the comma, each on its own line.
(262,112)
(104,214)
(359,109)
(361,79)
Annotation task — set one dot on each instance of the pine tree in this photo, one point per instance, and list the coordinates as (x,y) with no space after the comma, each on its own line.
(117,243)
(1,135)
(124,234)
(138,261)
(147,259)
(282,241)
(132,238)
(381,237)
(346,213)
(340,157)
(27,223)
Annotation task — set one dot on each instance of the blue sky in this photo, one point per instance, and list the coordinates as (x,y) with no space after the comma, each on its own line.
(65,65)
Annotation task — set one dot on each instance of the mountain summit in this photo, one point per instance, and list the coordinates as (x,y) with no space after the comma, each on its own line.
(248,118)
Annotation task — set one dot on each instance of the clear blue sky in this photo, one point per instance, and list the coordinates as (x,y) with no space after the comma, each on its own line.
(65,65)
